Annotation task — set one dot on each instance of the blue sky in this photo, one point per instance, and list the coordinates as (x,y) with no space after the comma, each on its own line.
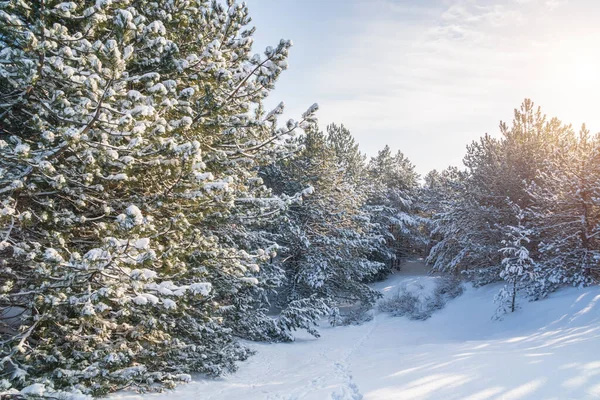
(428,77)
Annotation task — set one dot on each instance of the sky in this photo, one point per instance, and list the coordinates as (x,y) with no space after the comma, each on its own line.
(429,77)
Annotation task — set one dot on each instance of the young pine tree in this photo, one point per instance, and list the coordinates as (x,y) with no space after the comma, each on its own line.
(518,269)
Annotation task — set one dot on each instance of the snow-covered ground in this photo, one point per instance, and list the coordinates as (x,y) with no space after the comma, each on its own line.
(547,350)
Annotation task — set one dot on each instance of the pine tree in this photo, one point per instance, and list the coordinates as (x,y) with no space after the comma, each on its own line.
(128,152)
(459,226)
(393,192)
(349,158)
(518,269)
(566,213)
(327,238)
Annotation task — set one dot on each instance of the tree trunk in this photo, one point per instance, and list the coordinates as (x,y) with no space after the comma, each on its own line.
(514,297)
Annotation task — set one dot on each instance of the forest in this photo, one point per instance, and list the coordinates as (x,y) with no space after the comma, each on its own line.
(155,217)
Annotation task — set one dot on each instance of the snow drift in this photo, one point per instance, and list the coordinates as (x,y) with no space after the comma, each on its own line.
(546,350)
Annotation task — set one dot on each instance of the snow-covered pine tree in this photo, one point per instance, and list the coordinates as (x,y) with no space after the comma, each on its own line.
(349,157)
(378,208)
(566,214)
(127,144)
(393,191)
(327,238)
(448,209)
(352,164)
(251,313)
(518,269)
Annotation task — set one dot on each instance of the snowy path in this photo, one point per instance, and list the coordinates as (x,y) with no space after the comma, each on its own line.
(547,350)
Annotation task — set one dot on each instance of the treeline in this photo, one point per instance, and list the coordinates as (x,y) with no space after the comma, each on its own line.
(152,212)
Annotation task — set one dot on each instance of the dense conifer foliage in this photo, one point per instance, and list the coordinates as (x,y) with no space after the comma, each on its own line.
(524,210)
(137,239)
(328,237)
(153,213)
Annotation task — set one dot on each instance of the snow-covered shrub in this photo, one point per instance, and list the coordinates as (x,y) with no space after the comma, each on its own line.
(352,316)
(447,288)
(405,304)
(408,301)
(419,305)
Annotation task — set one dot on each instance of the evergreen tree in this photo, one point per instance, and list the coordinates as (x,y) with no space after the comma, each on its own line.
(326,239)
(566,214)
(128,152)
(393,191)
(517,266)
(349,158)
(459,227)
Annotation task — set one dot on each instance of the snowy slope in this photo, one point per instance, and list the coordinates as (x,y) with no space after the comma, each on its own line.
(547,350)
